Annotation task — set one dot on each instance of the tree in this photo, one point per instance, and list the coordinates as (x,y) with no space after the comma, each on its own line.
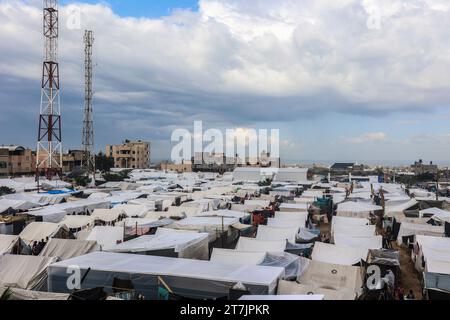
(103,163)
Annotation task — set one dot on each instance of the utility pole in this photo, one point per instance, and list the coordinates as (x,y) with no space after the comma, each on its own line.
(49,144)
(88,123)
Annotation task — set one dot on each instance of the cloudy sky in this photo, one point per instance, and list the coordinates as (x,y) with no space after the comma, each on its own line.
(360,80)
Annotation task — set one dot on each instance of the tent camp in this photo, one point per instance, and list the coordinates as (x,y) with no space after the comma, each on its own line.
(339,255)
(255,245)
(24,272)
(37,231)
(277,234)
(66,249)
(187,245)
(188,278)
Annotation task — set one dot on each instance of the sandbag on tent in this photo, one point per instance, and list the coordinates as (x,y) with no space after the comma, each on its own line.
(374,242)
(7,243)
(331,276)
(414,229)
(67,249)
(294,288)
(341,255)
(233,257)
(14,294)
(255,245)
(24,272)
(187,245)
(37,231)
(187,278)
(104,236)
(275,234)
(355,231)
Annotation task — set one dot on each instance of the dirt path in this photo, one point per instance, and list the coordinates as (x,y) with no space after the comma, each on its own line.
(410,279)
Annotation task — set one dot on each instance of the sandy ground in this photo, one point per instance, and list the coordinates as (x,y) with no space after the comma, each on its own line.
(410,279)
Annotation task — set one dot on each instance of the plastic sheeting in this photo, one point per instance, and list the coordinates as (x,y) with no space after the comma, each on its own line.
(294,288)
(189,278)
(233,257)
(255,245)
(339,255)
(331,276)
(24,272)
(67,249)
(187,245)
(276,234)
(291,264)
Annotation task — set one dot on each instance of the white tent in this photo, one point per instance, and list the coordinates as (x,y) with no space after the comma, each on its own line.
(78,222)
(24,272)
(107,215)
(132,210)
(414,229)
(439,267)
(275,234)
(293,288)
(37,231)
(18,205)
(291,174)
(397,209)
(255,245)
(187,245)
(66,248)
(355,231)
(105,236)
(7,243)
(285,223)
(194,278)
(345,221)
(332,276)
(370,242)
(337,254)
(435,213)
(294,207)
(356,209)
(233,257)
(224,213)
(261,204)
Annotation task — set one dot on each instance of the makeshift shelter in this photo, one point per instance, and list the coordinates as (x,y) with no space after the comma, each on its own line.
(294,288)
(78,222)
(355,231)
(107,215)
(346,221)
(14,294)
(212,225)
(105,236)
(187,278)
(37,231)
(276,234)
(66,249)
(339,255)
(437,286)
(408,230)
(369,242)
(16,205)
(356,209)
(234,257)
(291,175)
(187,245)
(7,243)
(331,276)
(294,207)
(132,210)
(255,245)
(24,272)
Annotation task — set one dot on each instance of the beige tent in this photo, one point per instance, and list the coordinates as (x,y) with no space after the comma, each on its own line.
(7,243)
(24,272)
(29,295)
(37,231)
(330,276)
(294,288)
(67,249)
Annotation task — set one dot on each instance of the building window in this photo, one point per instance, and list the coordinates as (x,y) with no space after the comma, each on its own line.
(3,165)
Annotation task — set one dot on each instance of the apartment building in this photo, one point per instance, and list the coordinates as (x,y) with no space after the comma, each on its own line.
(16,160)
(130,154)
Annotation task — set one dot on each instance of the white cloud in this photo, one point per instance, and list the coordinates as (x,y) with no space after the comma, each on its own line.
(368,137)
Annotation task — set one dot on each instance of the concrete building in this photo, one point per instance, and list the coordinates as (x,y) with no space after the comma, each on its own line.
(130,154)
(72,160)
(185,166)
(419,168)
(16,160)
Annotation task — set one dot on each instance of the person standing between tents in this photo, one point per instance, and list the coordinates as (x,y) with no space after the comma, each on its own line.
(34,249)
